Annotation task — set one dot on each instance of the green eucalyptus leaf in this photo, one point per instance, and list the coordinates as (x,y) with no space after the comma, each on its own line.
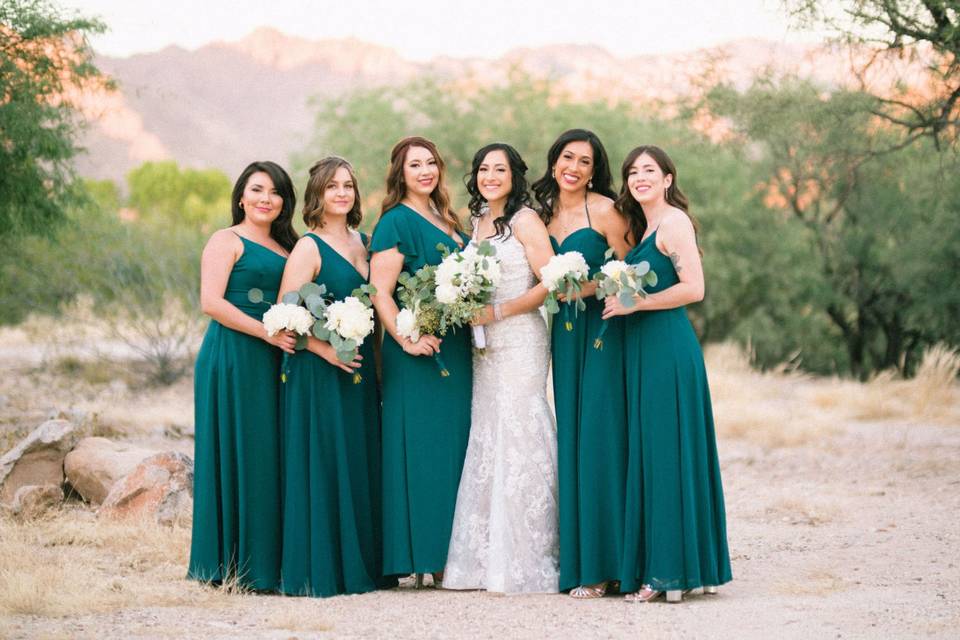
(651,279)
(291,297)
(255,296)
(642,268)
(626,299)
(301,343)
(312,289)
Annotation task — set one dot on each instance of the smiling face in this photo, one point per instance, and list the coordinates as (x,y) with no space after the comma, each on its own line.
(646,180)
(574,167)
(339,195)
(260,201)
(421,174)
(494,177)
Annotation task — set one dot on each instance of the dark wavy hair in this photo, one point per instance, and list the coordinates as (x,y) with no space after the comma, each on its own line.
(281,229)
(516,199)
(397,188)
(321,174)
(546,189)
(632,210)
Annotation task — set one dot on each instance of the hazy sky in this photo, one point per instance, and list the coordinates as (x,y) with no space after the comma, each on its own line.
(421,29)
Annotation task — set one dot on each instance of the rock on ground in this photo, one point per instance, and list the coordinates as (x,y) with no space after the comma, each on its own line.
(95,465)
(37,459)
(160,487)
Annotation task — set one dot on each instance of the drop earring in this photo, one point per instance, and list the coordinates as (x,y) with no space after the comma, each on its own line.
(590,184)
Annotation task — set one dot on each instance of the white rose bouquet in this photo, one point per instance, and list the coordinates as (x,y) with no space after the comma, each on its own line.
(618,278)
(565,273)
(307,311)
(347,323)
(465,281)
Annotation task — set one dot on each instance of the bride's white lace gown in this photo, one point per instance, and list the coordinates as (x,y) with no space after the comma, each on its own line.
(505,530)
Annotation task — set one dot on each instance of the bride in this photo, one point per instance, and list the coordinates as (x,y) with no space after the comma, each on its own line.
(505,536)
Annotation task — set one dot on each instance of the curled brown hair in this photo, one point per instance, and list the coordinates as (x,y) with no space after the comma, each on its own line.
(632,210)
(397,188)
(321,174)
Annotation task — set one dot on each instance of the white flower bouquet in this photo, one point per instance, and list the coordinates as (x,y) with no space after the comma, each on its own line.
(565,273)
(465,281)
(308,311)
(624,280)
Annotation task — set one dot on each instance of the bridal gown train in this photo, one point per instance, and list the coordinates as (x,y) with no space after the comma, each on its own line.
(505,531)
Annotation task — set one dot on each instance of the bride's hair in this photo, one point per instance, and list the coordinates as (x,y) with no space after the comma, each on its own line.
(517,199)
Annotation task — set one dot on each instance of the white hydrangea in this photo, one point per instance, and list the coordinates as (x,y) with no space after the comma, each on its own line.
(407,325)
(350,318)
(559,267)
(287,317)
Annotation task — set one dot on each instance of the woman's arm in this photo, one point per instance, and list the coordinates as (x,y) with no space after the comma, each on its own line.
(613,227)
(676,239)
(219,255)
(385,268)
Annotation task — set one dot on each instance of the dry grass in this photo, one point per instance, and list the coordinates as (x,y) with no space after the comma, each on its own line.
(766,408)
(784,408)
(69,562)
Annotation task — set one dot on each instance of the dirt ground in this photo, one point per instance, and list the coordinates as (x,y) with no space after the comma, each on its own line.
(842,502)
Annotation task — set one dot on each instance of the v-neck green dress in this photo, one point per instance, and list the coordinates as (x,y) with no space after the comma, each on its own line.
(590,400)
(675,532)
(426,418)
(331,462)
(236,482)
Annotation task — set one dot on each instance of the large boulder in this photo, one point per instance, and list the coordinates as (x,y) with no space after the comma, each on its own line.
(37,459)
(34,500)
(95,465)
(161,487)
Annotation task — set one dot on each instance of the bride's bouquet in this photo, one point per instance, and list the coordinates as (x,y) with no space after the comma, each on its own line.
(309,311)
(466,280)
(565,273)
(450,294)
(618,278)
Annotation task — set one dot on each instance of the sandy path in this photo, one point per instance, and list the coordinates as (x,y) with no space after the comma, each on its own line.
(852,536)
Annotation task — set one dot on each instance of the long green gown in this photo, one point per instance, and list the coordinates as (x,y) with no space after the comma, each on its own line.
(426,418)
(331,462)
(589,395)
(675,532)
(236,484)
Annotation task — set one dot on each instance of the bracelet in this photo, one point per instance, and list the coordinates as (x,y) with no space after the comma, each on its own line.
(497,312)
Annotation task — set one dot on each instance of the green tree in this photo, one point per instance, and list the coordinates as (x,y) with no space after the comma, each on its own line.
(864,224)
(44,60)
(164,192)
(924,32)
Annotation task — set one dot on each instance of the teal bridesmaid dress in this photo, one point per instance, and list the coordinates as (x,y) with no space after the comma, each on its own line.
(236,485)
(590,399)
(426,418)
(675,531)
(331,455)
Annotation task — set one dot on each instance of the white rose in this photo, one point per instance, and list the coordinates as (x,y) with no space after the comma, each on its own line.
(287,317)
(407,325)
(447,293)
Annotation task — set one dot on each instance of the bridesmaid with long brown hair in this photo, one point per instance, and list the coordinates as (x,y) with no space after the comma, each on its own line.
(426,416)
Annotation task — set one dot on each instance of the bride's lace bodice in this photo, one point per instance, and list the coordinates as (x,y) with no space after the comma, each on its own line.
(505,529)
